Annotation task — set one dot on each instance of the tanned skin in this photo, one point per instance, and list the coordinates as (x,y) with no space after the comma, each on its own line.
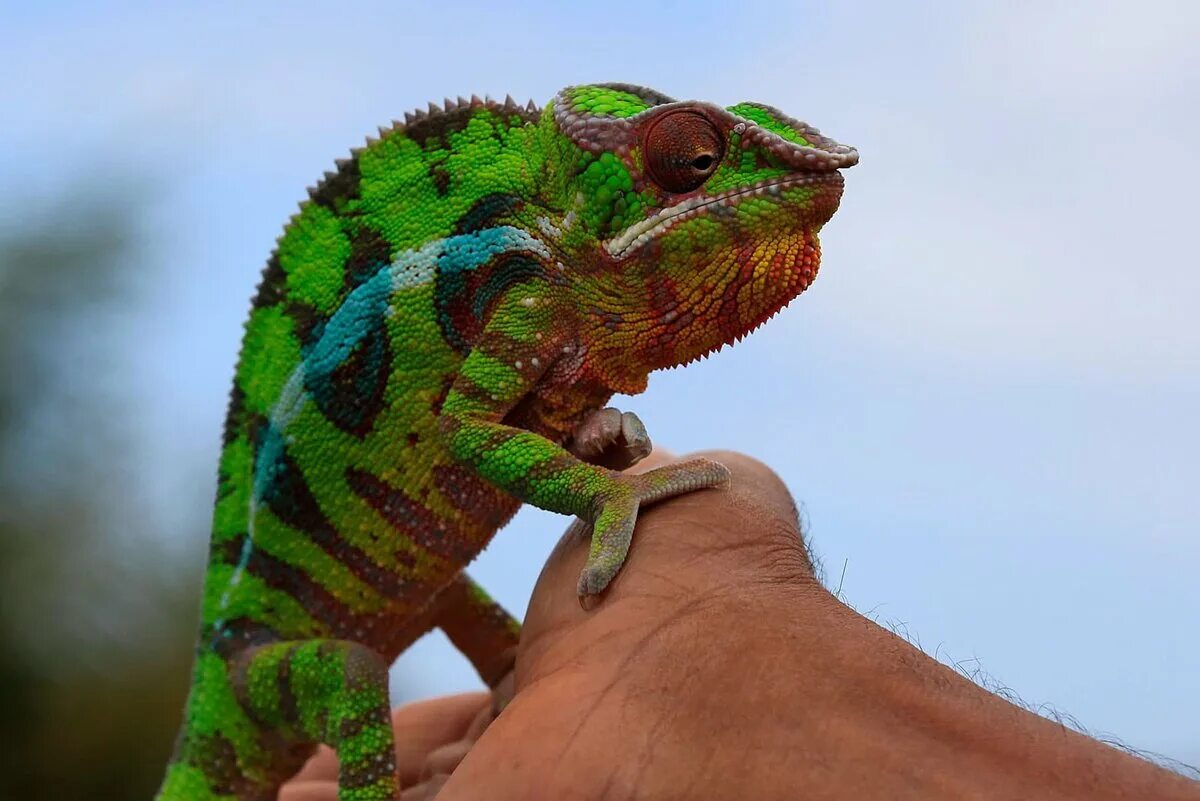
(800,697)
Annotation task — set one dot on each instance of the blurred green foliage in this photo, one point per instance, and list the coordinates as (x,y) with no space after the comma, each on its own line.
(97,609)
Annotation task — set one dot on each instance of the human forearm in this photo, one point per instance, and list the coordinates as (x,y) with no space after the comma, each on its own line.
(891,722)
(721,664)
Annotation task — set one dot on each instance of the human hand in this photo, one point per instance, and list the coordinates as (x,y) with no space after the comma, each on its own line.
(718,666)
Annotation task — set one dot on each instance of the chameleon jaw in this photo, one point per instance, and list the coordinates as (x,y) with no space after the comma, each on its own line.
(643,231)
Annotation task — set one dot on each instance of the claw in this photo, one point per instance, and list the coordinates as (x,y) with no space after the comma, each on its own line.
(588,601)
(637,439)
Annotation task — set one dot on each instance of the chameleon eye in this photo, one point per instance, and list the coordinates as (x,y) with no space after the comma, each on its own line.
(683,148)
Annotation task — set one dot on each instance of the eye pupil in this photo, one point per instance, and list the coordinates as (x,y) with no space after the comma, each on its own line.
(702,162)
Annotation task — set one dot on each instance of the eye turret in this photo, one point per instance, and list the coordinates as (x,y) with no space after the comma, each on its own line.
(683,148)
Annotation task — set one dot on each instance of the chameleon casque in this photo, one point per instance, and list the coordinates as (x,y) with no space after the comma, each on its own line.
(433,342)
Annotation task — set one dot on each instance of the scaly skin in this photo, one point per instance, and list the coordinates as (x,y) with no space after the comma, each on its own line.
(431,345)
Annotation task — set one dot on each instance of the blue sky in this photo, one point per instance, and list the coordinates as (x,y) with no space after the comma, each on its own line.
(986,403)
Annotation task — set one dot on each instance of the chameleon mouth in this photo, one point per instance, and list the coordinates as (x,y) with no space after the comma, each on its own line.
(644,231)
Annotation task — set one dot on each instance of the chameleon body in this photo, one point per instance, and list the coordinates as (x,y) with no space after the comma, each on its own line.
(433,343)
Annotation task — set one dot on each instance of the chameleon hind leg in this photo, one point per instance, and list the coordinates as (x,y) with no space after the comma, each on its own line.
(333,692)
(487,635)
(479,627)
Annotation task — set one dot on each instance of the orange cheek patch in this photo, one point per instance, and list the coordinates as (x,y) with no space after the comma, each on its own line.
(781,268)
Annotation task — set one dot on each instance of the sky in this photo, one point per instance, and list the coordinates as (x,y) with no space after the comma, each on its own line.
(986,404)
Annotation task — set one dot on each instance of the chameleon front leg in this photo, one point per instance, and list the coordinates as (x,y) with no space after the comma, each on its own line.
(513,353)
(479,627)
(484,631)
(327,691)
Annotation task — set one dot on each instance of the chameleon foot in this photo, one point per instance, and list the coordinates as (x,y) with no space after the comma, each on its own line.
(612,529)
(611,438)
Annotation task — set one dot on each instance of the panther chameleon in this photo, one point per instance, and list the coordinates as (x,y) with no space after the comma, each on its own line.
(433,342)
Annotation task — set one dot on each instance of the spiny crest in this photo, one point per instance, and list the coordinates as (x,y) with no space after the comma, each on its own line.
(415,120)
(342,181)
(528,112)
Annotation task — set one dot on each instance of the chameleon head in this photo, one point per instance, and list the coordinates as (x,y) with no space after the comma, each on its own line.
(702,220)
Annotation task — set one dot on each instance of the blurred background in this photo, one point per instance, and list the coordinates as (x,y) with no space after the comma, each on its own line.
(986,404)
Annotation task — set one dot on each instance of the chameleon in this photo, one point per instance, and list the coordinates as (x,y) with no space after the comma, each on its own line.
(433,342)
